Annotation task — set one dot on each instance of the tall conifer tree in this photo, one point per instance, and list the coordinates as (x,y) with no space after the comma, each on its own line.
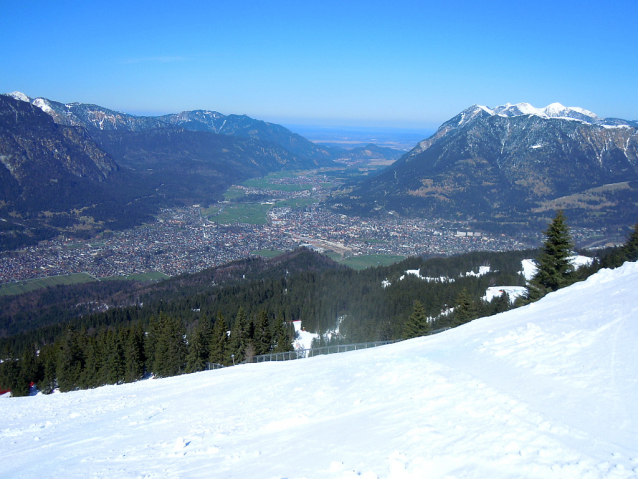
(219,341)
(417,324)
(555,270)
(199,346)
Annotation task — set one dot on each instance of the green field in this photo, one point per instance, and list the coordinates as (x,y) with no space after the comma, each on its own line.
(37,283)
(251,213)
(295,202)
(268,253)
(367,261)
(149,276)
(333,256)
(233,193)
(265,184)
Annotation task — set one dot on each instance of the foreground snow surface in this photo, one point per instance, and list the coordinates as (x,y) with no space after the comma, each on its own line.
(545,391)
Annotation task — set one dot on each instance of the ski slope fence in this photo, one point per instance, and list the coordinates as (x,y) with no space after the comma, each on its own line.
(309,353)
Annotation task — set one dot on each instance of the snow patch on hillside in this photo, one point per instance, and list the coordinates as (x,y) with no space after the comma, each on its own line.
(512,291)
(303,339)
(43,105)
(441,279)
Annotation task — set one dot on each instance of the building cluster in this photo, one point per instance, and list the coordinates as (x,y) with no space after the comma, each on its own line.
(182,241)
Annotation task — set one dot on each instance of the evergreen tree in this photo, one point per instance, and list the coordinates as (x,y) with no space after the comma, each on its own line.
(417,324)
(263,336)
(115,362)
(134,354)
(70,361)
(199,346)
(48,362)
(170,347)
(93,365)
(285,334)
(218,342)
(464,309)
(12,376)
(30,368)
(237,343)
(630,249)
(555,270)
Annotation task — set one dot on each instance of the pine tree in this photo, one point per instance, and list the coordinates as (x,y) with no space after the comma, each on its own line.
(92,363)
(48,361)
(555,270)
(134,354)
(199,346)
(12,376)
(30,368)
(630,248)
(464,309)
(417,324)
(237,343)
(218,342)
(70,361)
(115,363)
(170,348)
(285,334)
(263,336)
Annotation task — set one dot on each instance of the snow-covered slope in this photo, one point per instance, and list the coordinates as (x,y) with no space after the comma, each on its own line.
(545,391)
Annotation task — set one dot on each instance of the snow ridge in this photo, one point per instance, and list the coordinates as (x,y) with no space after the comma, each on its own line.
(554,110)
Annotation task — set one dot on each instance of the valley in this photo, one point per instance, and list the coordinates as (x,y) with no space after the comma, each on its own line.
(190,239)
(276,213)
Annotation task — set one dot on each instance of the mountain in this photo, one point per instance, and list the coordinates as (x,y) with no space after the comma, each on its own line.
(81,169)
(96,118)
(548,390)
(513,162)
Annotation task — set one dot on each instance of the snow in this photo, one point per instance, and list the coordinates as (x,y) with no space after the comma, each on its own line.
(547,391)
(554,110)
(513,292)
(441,279)
(482,271)
(303,339)
(529,268)
(43,105)
(19,96)
(529,265)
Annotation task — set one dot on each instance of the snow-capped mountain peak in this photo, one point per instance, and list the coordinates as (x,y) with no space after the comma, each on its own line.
(553,110)
(19,96)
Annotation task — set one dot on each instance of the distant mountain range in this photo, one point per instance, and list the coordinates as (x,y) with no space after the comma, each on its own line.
(82,168)
(512,163)
(98,119)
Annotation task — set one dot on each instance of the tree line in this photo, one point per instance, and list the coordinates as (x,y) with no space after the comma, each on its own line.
(88,358)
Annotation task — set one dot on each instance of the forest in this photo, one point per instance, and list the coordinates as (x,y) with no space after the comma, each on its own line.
(229,314)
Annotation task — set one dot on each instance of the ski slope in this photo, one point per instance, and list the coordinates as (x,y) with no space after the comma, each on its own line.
(545,391)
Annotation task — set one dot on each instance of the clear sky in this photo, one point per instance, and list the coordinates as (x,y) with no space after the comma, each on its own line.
(411,64)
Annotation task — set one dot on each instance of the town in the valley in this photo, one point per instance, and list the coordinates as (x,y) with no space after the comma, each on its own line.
(190,239)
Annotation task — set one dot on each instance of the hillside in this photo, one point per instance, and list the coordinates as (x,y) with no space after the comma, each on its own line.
(81,169)
(513,162)
(548,390)
(96,118)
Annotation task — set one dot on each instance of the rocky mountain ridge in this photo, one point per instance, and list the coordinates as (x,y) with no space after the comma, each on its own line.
(96,118)
(512,162)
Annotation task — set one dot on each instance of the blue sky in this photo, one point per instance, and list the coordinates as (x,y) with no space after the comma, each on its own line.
(411,64)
